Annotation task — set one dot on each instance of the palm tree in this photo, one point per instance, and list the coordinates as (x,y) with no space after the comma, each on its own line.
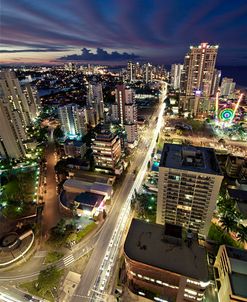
(228,223)
(242,233)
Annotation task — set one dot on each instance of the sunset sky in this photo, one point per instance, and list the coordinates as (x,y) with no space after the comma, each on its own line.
(115,31)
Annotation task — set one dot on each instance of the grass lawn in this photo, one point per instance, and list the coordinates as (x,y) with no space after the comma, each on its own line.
(53,257)
(89,228)
(217,234)
(30,287)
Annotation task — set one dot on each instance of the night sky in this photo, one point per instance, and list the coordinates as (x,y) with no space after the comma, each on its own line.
(53,31)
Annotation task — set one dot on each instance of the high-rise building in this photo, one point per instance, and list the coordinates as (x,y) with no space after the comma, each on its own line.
(231,274)
(73,120)
(199,65)
(106,150)
(148,74)
(215,82)
(176,72)
(95,100)
(31,94)
(131,71)
(162,266)
(188,186)
(227,86)
(127,111)
(16,112)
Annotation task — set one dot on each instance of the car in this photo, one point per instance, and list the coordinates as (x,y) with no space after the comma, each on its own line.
(28,297)
(108,272)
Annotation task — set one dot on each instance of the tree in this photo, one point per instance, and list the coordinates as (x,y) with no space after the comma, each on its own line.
(228,223)
(242,233)
(48,279)
(58,133)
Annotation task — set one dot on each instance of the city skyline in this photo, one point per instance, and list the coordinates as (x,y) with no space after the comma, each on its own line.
(115,32)
(123,151)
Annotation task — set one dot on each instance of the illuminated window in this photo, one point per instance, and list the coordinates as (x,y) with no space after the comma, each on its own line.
(190,291)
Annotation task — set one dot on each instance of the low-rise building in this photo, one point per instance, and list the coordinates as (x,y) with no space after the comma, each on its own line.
(73,185)
(231,274)
(161,266)
(75,148)
(89,203)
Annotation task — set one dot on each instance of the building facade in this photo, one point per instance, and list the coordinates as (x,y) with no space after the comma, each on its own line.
(73,120)
(199,66)
(17,109)
(227,87)
(188,187)
(96,101)
(176,73)
(106,150)
(215,82)
(126,112)
(231,274)
(161,266)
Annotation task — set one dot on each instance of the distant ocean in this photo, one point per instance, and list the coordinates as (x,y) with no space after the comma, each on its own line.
(238,73)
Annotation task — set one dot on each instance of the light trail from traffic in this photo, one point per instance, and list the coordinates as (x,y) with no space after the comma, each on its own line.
(102,280)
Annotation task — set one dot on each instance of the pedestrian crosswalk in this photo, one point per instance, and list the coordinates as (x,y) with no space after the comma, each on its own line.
(68,260)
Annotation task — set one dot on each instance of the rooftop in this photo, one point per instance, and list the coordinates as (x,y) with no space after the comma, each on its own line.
(75,143)
(239,195)
(190,158)
(238,282)
(236,253)
(146,243)
(89,199)
(105,136)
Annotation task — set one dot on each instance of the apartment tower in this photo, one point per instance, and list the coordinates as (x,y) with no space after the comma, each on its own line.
(199,67)
(188,186)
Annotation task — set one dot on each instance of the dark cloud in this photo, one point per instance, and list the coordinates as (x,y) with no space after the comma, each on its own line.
(32,50)
(100,55)
(161,30)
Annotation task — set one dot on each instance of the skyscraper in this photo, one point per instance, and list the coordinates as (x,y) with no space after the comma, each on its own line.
(215,82)
(131,71)
(127,111)
(176,72)
(73,120)
(95,100)
(227,86)
(16,113)
(199,65)
(31,94)
(188,186)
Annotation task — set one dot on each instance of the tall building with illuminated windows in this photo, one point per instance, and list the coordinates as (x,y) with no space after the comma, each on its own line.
(126,112)
(16,113)
(176,72)
(199,66)
(106,150)
(188,187)
(95,101)
(73,120)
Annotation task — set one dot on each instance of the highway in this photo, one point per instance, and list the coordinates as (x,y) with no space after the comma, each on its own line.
(95,279)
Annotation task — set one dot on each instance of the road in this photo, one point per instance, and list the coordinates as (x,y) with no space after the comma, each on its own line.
(96,275)
(12,294)
(51,213)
